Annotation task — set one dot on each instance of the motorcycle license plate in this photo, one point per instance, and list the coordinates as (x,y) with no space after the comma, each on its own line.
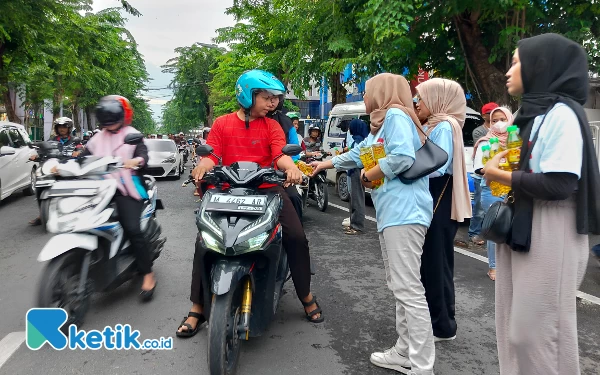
(254,204)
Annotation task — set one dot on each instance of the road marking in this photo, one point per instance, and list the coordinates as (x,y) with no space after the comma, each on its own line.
(9,344)
(584,296)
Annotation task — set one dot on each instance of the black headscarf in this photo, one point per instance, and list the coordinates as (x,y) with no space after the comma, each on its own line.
(554,70)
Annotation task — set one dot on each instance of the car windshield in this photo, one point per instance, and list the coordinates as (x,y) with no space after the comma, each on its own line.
(160,146)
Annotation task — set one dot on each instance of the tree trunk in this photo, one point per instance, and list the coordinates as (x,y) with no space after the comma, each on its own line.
(88,117)
(5,91)
(75,118)
(490,80)
(338,91)
(210,114)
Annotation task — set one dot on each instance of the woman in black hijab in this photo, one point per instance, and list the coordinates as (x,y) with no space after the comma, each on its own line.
(556,205)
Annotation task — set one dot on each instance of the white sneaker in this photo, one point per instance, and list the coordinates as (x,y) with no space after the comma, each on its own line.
(439,339)
(346,222)
(391,359)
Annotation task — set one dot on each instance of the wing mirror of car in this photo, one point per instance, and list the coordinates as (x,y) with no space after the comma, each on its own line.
(134,139)
(291,150)
(6,150)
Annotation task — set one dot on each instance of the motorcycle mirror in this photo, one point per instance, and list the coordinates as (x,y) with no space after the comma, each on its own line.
(291,150)
(134,139)
(204,150)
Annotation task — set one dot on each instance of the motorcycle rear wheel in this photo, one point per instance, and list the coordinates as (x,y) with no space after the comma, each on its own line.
(224,342)
(59,285)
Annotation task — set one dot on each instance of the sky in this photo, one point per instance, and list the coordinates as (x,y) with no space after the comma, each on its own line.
(166,25)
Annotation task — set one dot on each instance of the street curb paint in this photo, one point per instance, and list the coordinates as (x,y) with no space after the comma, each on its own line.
(9,344)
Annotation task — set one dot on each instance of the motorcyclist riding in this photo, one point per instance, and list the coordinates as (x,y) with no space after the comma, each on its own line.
(313,141)
(62,129)
(86,137)
(262,142)
(114,114)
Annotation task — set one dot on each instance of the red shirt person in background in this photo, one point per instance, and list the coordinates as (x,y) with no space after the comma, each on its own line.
(247,135)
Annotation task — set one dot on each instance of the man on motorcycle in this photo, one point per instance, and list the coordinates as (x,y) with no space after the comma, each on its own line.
(313,141)
(114,114)
(62,129)
(86,137)
(262,142)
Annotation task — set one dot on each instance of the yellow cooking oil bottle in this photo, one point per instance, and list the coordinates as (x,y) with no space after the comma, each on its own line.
(499,190)
(514,144)
(369,156)
(304,168)
(485,150)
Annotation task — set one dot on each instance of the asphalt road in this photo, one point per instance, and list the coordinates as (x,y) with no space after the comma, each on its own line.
(350,284)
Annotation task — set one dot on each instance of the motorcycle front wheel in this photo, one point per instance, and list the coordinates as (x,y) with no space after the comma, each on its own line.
(59,287)
(223,339)
(321,194)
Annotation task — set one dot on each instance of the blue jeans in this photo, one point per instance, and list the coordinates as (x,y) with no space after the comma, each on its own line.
(487,199)
(478,213)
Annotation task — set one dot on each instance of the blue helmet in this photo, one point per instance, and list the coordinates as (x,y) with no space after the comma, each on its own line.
(254,80)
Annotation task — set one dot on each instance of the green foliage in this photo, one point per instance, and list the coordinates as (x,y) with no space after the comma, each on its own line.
(192,72)
(61,51)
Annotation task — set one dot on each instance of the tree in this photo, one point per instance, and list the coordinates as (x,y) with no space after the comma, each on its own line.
(473,41)
(192,72)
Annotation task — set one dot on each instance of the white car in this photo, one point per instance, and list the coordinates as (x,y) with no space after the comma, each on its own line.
(16,171)
(164,159)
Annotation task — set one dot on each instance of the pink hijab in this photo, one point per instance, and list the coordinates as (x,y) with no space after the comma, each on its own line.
(446,102)
(502,137)
(105,144)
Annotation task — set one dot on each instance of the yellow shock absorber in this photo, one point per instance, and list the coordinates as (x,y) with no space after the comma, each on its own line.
(246,306)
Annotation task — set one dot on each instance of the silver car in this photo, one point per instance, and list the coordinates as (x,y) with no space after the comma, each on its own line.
(16,171)
(164,159)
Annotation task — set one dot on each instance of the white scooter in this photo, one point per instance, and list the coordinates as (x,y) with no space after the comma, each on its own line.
(89,251)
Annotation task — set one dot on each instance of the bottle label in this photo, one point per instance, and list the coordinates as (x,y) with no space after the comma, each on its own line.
(514,155)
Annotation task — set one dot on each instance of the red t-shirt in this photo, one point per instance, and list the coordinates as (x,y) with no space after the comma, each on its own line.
(260,143)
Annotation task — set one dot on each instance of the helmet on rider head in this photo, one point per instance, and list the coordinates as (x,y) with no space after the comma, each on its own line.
(314,127)
(254,81)
(114,109)
(63,122)
(181,134)
(87,134)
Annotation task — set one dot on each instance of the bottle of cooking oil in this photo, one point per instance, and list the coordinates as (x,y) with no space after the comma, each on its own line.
(367,157)
(485,149)
(494,147)
(514,144)
(304,168)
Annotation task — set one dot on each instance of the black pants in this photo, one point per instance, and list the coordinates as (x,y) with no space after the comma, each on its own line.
(296,199)
(294,243)
(437,262)
(130,213)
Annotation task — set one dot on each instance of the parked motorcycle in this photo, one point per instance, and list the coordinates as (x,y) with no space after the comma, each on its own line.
(317,186)
(240,246)
(89,251)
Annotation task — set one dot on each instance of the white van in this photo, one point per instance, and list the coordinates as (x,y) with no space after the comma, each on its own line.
(333,137)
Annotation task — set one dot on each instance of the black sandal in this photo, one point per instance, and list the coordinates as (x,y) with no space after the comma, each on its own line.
(35,222)
(309,315)
(190,332)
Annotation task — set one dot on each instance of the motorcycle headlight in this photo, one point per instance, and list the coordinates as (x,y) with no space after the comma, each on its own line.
(212,243)
(252,244)
(170,159)
(265,220)
(76,204)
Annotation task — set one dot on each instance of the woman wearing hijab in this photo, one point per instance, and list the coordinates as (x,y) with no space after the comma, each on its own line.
(500,119)
(403,215)
(443,103)
(359,130)
(556,205)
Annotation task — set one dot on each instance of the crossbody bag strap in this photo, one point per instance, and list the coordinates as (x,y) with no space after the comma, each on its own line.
(441,195)
(535,138)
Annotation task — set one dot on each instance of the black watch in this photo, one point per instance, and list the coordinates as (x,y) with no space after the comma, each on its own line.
(364,178)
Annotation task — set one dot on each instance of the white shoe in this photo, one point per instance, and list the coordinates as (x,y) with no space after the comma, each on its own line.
(439,339)
(346,222)
(391,359)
